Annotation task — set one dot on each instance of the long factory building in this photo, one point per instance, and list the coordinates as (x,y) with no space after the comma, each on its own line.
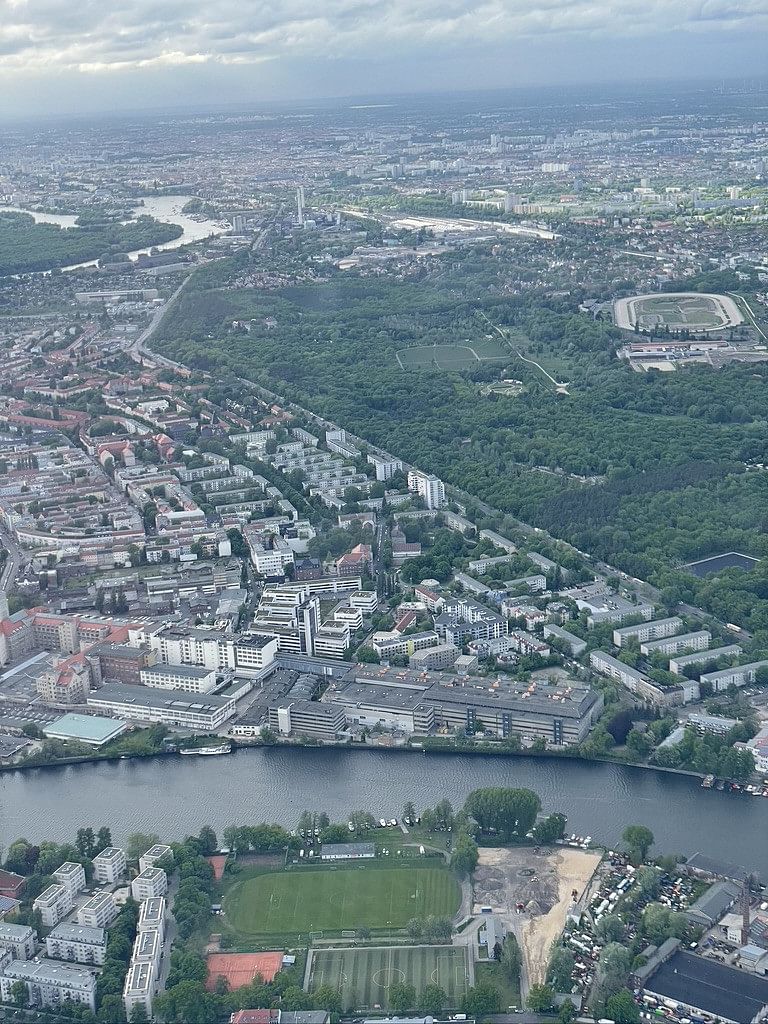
(424,702)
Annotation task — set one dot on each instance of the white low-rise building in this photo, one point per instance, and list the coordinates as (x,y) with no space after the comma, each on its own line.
(76,942)
(54,903)
(72,876)
(655,629)
(187,678)
(109,866)
(151,882)
(20,939)
(154,855)
(99,912)
(49,984)
(148,948)
(139,988)
(152,916)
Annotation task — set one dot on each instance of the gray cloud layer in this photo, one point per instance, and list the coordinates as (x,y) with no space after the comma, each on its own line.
(97,37)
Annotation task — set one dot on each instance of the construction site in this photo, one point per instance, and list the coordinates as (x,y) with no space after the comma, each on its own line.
(532,891)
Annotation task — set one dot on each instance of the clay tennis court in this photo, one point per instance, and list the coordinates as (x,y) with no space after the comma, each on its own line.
(241,968)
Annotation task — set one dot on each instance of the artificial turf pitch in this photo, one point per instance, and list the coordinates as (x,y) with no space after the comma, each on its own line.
(321,900)
(364,977)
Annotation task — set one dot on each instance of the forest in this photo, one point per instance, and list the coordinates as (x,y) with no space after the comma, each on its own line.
(27,247)
(649,471)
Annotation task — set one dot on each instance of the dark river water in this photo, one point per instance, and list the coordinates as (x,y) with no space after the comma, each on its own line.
(174,796)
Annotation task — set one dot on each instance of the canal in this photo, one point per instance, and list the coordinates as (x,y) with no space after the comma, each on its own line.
(175,796)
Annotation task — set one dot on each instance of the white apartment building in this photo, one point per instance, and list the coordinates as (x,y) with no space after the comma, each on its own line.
(72,876)
(655,629)
(385,465)
(154,855)
(270,557)
(150,883)
(698,641)
(428,487)
(148,948)
(188,678)
(152,916)
(54,903)
(77,942)
(20,939)
(139,988)
(109,866)
(738,675)
(99,912)
(49,984)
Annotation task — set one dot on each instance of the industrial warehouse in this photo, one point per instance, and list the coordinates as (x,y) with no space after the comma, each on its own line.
(561,712)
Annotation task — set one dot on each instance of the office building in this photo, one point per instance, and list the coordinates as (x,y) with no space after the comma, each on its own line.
(77,942)
(204,713)
(109,866)
(54,903)
(99,912)
(49,984)
(244,653)
(152,882)
(187,678)
(307,718)
(20,939)
(291,615)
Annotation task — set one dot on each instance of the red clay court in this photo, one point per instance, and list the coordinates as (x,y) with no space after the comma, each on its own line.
(241,968)
(218,862)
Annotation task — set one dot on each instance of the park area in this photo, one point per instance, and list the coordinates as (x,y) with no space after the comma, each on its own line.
(365,977)
(674,311)
(452,357)
(321,900)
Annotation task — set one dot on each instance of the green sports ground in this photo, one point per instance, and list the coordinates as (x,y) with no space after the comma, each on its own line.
(365,976)
(336,899)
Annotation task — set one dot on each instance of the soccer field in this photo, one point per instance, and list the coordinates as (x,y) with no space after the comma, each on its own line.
(303,901)
(451,357)
(365,976)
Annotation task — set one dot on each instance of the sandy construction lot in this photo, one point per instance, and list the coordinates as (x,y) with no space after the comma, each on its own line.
(543,882)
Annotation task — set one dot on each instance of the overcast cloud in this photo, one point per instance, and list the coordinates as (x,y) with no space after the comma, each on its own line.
(64,49)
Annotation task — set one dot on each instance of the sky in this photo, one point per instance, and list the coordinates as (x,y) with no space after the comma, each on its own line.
(88,56)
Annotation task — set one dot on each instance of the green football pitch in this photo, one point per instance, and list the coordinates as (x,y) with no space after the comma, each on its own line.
(365,976)
(302,901)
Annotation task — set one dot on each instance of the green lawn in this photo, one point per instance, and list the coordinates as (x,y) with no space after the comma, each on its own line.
(328,899)
(364,976)
(491,970)
(452,357)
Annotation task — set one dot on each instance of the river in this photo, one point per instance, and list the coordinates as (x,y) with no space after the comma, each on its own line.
(175,796)
(163,208)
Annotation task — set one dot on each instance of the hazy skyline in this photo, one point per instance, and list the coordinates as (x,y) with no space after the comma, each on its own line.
(58,57)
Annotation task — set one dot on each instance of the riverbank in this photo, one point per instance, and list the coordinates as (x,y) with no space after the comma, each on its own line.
(445,749)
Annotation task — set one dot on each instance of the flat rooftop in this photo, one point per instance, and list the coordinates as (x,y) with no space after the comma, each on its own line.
(84,728)
(711,986)
(159,698)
